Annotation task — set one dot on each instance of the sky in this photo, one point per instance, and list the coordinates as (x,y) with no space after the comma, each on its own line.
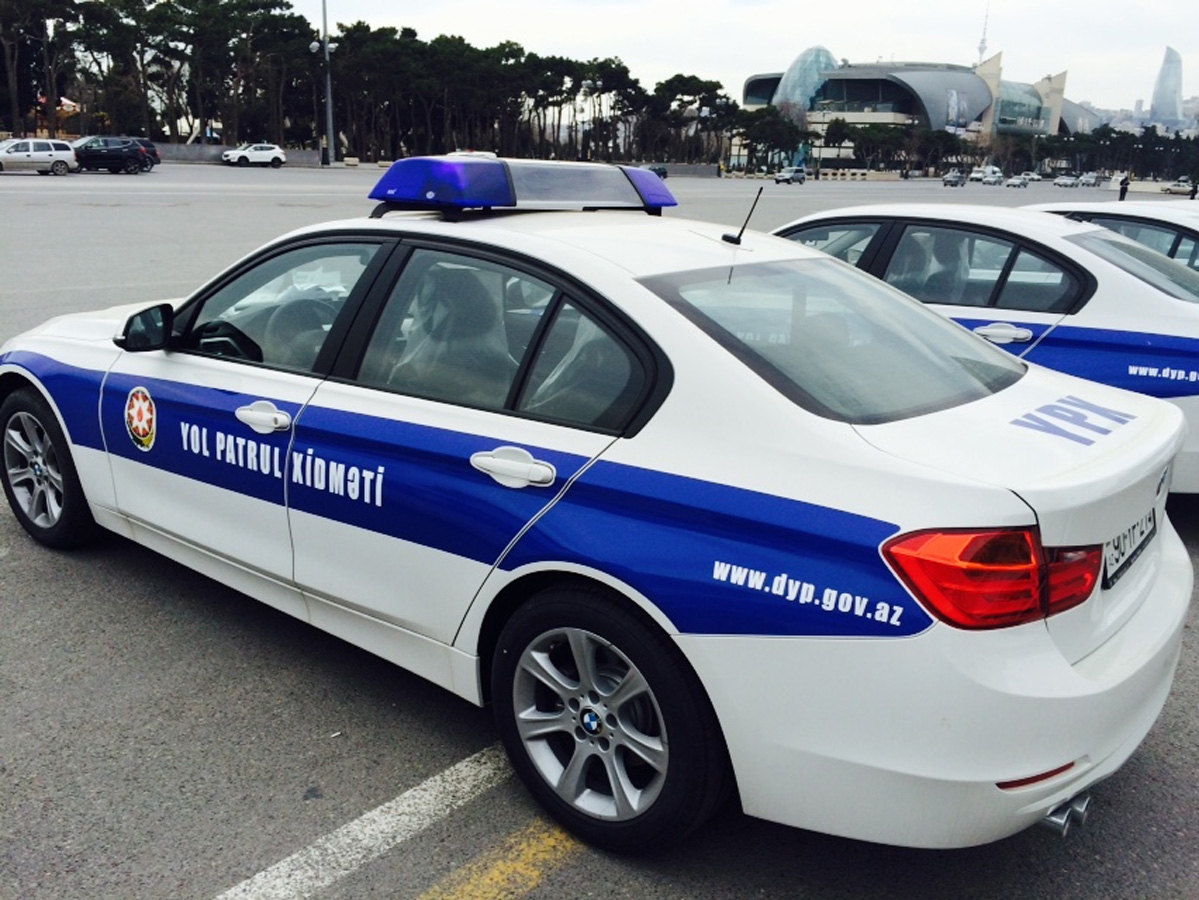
(1111,52)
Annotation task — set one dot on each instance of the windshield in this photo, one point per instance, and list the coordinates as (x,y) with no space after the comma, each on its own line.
(836,341)
(1153,268)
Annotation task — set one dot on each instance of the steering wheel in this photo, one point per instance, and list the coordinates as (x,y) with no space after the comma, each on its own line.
(296,331)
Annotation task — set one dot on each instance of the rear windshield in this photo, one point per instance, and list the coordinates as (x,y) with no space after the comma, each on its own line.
(836,341)
(1142,262)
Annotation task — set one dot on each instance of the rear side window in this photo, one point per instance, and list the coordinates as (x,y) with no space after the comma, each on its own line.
(1137,260)
(838,342)
(1162,238)
(1035,284)
(478,333)
(1158,237)
(958,267)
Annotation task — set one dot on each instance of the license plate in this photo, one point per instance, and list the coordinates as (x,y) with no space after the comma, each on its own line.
(1122,551)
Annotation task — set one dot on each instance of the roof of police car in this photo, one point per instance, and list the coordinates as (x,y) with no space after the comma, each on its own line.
(569,214)
(1175,212)
(1022,221)
(640,244)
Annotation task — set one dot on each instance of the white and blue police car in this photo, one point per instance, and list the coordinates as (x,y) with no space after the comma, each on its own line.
(1169,228)
(699,514)
(1073,296)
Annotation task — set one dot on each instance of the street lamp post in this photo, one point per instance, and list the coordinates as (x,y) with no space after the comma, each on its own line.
(328,152)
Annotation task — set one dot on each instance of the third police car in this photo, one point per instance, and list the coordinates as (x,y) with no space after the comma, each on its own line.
(701,514)
(1069,295)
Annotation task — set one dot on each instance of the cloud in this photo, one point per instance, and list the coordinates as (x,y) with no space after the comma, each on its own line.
(1112,56)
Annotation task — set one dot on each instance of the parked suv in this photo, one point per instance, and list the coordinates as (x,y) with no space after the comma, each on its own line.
(152,158)
(790,175)
(116,154)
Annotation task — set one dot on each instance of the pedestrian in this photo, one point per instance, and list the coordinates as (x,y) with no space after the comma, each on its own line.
(1194,187)
(1124,186)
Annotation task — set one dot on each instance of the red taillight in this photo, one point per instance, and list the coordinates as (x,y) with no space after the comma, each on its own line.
(1073,572)
(994,578)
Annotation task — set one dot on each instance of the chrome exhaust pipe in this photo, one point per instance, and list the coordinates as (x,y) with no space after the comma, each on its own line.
(1072,812)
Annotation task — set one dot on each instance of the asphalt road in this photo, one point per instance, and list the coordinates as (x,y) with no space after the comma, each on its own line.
(164,737)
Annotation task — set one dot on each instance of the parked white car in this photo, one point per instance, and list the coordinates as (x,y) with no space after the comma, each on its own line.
(255,155)
(701,515)
(1169,228)
(46,157)
(1073,296)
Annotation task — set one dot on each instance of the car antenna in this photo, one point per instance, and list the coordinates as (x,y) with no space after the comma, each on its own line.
(736,238)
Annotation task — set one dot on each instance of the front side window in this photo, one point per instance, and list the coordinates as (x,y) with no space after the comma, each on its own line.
(837,342)
(845,240)
(478,333)
(280,312)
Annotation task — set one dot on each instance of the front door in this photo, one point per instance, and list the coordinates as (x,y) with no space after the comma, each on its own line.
(200,435)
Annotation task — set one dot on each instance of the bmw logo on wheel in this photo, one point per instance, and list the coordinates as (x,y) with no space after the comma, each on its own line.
(590,721)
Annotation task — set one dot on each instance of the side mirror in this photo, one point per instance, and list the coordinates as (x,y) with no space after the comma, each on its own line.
(149,329)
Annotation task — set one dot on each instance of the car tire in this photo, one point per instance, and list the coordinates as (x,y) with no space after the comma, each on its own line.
(243,161)
(585,692)
(59,167)
(39,475)
(276,162)
(146,165)
(131,167)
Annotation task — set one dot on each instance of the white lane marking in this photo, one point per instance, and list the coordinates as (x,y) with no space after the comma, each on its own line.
(368,837)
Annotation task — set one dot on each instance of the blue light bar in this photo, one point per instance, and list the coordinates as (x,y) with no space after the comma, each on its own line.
(454,183)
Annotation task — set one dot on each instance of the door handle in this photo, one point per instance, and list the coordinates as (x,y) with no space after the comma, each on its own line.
(263,416)
(1004,333)
(514,467)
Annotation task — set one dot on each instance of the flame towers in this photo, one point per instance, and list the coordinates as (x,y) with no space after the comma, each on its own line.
(1167,91)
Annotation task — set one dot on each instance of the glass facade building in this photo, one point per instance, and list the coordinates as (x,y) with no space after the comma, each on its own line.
(1167,90)
(804,78)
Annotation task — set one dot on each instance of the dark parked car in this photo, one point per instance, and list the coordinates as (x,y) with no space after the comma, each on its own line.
(116,154)
(152,158)
(657,168)
(953,178)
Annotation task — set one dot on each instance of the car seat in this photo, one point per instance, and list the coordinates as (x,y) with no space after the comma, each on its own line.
(456,349)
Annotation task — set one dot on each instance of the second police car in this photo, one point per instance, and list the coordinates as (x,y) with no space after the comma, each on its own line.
(1171,229)
(1073,296)
(699,514)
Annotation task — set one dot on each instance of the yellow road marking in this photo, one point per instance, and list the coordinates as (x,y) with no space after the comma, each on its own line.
(511,870)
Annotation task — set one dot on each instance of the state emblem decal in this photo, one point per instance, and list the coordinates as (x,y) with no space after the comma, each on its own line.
(141,420)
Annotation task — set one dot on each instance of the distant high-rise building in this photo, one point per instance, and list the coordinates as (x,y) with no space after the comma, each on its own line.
(1167,90)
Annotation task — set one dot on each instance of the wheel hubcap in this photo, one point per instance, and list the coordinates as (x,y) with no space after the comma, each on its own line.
(590,724)
(31,467)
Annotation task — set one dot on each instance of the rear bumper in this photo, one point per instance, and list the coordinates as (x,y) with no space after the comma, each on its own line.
(904,741)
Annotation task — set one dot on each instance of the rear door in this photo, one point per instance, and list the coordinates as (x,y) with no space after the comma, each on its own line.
(479,391)
(1010,292)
